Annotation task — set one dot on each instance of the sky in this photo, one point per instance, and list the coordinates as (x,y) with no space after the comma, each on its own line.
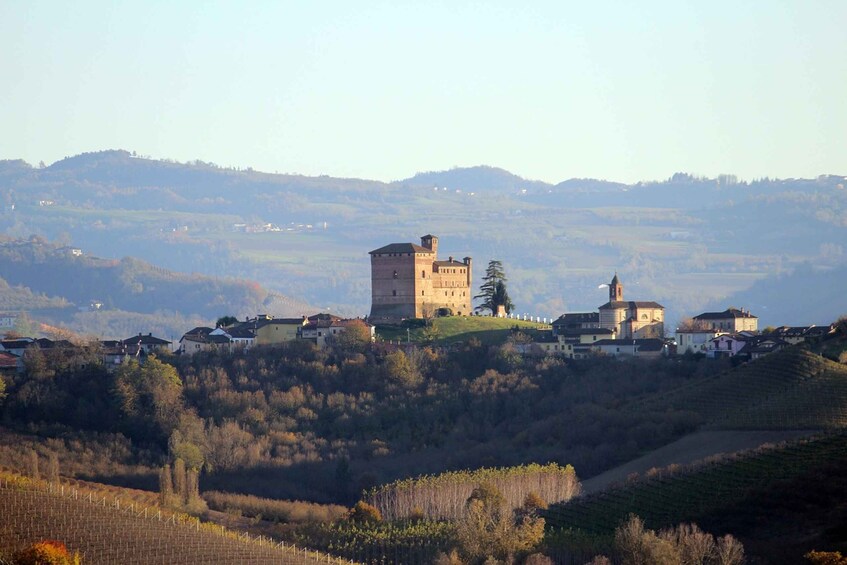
(623,91)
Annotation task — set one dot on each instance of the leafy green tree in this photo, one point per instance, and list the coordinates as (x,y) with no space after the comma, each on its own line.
(149,399)
(226,321)
(493,292)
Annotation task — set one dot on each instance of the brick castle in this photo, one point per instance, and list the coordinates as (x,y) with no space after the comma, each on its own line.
(408,281)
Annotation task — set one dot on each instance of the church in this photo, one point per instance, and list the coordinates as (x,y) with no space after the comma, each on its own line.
(631,320)
(408,281)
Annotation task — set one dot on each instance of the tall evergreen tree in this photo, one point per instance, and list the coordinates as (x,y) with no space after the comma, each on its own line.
(493,289)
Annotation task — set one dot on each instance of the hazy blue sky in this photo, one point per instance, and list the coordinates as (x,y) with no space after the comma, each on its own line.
(618,90)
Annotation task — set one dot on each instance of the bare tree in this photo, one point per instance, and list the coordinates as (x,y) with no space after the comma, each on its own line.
(53,468)
(166,486)
(32,464)
(729,551)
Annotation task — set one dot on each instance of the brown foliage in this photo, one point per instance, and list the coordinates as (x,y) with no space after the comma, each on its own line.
(826,558)
(364,512)
(291,511)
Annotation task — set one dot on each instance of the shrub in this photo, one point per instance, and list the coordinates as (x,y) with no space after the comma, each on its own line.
(364,512)
(47,552)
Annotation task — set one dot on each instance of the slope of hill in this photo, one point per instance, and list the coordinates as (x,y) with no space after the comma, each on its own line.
(790,389)
(781,501)
(129,286)
(108,532)
(689,450)
(796,305)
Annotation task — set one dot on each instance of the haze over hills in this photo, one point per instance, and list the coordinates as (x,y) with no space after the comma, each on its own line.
(689,243)
(116,298)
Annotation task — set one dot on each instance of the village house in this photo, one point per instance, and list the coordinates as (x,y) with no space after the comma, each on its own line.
(408,281)
(270,330)
(241,338)
(149,343)
(116,352)
(728,345)
(575,321)
(695,340)
(10,364)
(322,328)
(196,340)
(571,343)
(648,348)
(730,320)
(16,346)
(761,345)
(800,334)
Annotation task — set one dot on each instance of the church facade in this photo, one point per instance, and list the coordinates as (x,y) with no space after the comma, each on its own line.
(631,319)
(408,281)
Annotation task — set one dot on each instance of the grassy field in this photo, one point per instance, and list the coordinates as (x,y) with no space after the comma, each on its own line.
(458,328)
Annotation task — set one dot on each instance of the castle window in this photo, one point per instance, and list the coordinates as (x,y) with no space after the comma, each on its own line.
(422,293)
(395,292)
(395,274)
(423,274)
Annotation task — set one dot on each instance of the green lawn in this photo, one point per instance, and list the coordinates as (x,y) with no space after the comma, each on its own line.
(457,328)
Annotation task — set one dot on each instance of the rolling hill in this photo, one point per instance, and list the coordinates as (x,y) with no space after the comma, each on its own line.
(687,242)
(112,528)
(746,471)
(103,296)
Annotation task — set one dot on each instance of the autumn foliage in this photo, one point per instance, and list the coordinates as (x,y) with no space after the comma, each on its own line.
(47,552)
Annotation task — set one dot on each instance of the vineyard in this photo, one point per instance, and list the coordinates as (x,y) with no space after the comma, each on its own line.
(666,499)
(407,542)
(791,389)
(112,530)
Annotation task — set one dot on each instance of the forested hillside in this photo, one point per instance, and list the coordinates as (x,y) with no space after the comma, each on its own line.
(687,242)
(111,297)
(324,426)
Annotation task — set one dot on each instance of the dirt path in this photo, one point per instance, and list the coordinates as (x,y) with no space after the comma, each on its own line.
(689,449)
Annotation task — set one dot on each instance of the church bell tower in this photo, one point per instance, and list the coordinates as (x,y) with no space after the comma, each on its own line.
(615,290)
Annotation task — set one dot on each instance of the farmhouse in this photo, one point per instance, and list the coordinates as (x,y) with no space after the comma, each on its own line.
(408,281)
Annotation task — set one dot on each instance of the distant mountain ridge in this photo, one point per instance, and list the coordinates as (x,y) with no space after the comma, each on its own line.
(687,242)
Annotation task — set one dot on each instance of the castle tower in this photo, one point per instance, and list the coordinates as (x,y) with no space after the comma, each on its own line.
(430,242)
(615,290)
